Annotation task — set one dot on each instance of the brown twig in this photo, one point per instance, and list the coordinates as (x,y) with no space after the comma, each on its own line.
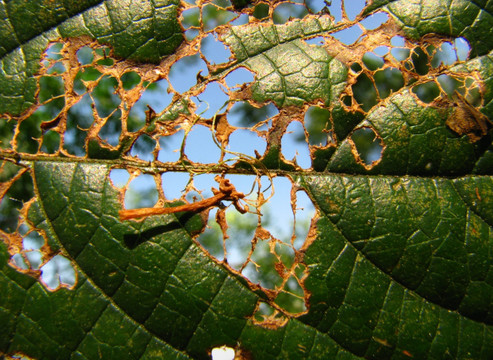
(226,191)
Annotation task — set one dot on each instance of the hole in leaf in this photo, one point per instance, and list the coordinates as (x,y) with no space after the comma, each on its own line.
(240,20)
(449,84)
(143,148)
(51,87)
(47,113)
(102,56)
(291,297)
(364,92)
(156,97)
(462,48)
(213,16)
(33,241)
(419,61)
(317,123)
(141,192)
(29,131)
(368,145)
(56,68)
(119,177)
(183,73)
(85,55)
(374,20)
(427,92)
(18,261)
(7,131)
(89,74)
(210,101)
(246,142)
(84,76)
(53,52)
(58,272)
(356,67)
(214,51)
(261,11)
(335,9)
(34,258)
(381,50)
(294,146)
(105,98)
(173,184)
(445,55)
(203,183)
(399,50)
(348,36)
(191,34)
(19,192)
(372,61)
(268,317)
(190,18)
(170,147)
(244,114)
(284,12)
(347,100)
(130,80)
(388,80)
(51,142)
(262,266)
(398,41)
(315,6)
(200,147)
(209,239)
(318,41)
(238,77)
(305,211)
(264,309)
(111,130)
(222,3)
(353,8)
(79,118)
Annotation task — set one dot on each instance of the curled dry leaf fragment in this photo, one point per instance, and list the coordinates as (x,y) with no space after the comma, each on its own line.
(226,191)
(467,120)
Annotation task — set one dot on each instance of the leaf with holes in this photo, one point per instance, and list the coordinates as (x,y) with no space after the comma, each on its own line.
(144,147)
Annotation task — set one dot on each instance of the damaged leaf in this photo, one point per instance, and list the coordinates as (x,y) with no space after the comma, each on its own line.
(142,31)
(392,262)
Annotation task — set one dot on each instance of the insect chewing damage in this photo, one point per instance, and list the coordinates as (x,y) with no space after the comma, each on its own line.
(464,119)
(226,191)
(219,124)
(287,272)
(32,259)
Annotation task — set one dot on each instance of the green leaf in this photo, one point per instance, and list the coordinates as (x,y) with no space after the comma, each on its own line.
(138,30)
(267,50)
(135,277)
(314,76)
(398,260)
(407,128)
(462,18)
(401,265)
